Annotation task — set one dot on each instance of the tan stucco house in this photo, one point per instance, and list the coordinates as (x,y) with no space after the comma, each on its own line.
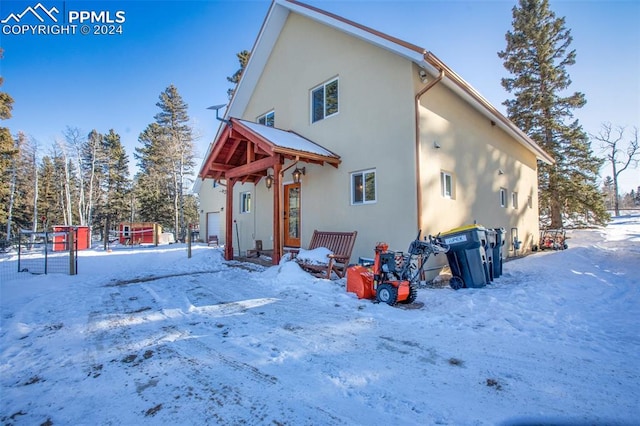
(390,139)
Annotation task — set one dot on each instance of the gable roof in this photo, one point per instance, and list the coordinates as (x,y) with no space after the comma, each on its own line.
(268,144)
(275,20)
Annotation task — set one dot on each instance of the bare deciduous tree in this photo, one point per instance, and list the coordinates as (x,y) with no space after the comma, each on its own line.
(619,154)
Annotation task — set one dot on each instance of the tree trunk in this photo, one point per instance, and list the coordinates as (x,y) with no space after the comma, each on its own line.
(555,205)
(12,192)
(35,196)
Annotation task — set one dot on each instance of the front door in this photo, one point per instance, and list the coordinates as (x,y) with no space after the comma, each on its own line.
(292,215)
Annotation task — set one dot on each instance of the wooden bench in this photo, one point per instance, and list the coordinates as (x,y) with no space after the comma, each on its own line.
(339,243)
(212,240)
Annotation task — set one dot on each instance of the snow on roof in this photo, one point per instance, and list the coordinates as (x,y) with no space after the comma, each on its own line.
(287,139)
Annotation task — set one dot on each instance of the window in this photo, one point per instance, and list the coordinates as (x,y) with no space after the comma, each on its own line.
(446,182)
(268,119)
(324,101)
(530,202)
(245,202)
(514,200)
(363,187)
(503,197)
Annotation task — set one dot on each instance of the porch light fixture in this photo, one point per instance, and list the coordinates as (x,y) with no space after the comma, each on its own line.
(500,171)
(297,173)
(269,181)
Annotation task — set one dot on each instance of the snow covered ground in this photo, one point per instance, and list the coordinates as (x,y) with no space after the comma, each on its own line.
(148,336)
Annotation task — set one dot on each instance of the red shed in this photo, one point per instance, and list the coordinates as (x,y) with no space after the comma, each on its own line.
(139,233)
(81,235)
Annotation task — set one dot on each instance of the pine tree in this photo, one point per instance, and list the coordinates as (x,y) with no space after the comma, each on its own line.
(153,183)
(173,119)
(116,182)
(7,150)
(243,58)
(608,192)
(537,55)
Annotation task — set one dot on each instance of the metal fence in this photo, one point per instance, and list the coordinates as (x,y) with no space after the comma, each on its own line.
(39,253)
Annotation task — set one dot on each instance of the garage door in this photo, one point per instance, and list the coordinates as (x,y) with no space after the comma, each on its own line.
(213,225)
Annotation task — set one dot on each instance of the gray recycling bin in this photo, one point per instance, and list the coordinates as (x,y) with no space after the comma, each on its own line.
(467,255)
(497,251)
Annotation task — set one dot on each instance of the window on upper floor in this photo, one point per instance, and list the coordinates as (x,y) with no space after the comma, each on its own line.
(363,187)
(324,100)
(514,200)
(503,197)
(446,184)
(268,119)
(245,202)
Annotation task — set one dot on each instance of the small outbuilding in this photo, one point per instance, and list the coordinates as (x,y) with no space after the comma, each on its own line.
(81,235)
(139,233)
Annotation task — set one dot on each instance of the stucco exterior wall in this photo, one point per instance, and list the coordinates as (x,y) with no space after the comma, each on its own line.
(482,158)
(212,200)
(373,130)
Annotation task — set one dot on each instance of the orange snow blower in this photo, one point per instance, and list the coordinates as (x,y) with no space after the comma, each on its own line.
(395,276)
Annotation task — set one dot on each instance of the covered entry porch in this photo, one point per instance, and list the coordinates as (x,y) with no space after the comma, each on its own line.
(247,152)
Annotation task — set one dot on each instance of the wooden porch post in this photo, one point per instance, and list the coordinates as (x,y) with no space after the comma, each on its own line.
(228,239)
(277,214)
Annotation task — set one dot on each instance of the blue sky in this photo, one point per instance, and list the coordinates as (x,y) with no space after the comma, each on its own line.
(113,81)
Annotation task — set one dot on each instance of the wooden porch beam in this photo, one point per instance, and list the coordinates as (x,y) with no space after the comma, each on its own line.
(250,154)
(232,150)
(277,214)
(246,134)
(254,167)
(220,167)
(228,234)
(218,145)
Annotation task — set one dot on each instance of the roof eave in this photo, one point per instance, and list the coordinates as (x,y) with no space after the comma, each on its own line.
(459,86)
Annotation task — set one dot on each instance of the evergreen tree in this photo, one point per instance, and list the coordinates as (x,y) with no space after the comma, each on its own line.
(47,196)
(608,192)
(243,58)
(12,180)
(537,55)
(153,185)
(7,150)
(116,182)
(178,149)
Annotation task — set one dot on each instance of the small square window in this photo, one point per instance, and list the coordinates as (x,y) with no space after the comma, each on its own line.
(363,187)
(245,202)
(514,200)
(324,101)
(268,119)
(503,197)
(446,184)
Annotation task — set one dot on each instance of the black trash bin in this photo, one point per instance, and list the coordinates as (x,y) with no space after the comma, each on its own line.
(497,252)
(467,256)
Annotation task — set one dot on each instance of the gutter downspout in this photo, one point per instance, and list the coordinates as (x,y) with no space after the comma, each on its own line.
(417,113)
